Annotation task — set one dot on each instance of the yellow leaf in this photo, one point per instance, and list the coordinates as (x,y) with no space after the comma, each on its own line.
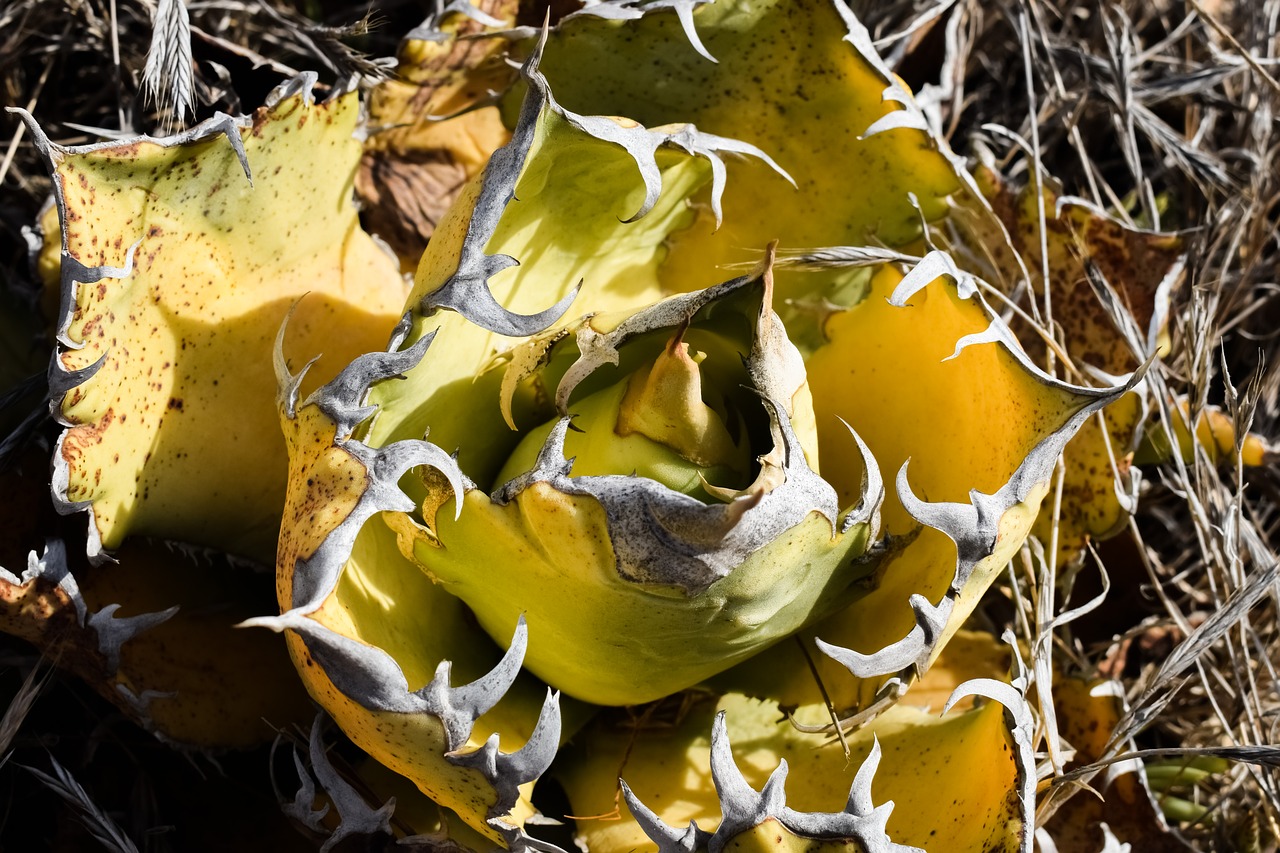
(153,633)
(799,80)
(1143,268)
(378,645)
(635,582)
(967,424)
(177,271)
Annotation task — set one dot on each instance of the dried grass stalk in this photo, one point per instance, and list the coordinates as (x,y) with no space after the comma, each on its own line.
(168,81)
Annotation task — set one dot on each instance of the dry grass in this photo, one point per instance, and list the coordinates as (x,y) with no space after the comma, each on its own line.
(1163,113)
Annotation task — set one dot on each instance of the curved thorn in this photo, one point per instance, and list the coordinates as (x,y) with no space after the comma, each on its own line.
(469,295)
(288,385)
(736,794)
(74,272)
(481,695)
(684,11)
(860,802)
(113,632)
(773,795)
(342,398)
(873,491)
(355,816)
(62,380)
(650,824)
(668,838)
(532,760)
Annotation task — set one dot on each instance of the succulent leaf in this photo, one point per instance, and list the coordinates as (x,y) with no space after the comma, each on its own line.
(644,559)
(174,664)
(800,81)
(1109,290)
(556,198)
(375,641)
(956,780)
(179,258)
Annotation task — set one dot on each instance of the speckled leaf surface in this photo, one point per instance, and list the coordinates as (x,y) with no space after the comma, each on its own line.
(548,275)
(153,634)
(179,259)
(979,431)
(1077,236)
(390,656)
(635,581)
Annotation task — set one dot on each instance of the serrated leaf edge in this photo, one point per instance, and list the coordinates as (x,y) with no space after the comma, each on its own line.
(972,526)
(742,808)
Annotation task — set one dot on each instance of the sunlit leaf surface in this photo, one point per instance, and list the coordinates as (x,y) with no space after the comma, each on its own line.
(177,271)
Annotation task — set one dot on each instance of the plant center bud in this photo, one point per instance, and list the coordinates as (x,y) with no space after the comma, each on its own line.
(666,406)
(655,424)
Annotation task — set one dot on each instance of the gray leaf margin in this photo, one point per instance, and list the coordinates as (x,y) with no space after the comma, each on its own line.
(466,291)
(355,815)
(630,10)
(366,673)
(742,807)
(111,631)
(624,10)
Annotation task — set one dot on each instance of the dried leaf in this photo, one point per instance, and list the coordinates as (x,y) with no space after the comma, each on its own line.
(1088,713)
(114,626)
(432,130)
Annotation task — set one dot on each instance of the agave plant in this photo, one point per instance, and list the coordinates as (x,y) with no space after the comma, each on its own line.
(581,465)
(647,499)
